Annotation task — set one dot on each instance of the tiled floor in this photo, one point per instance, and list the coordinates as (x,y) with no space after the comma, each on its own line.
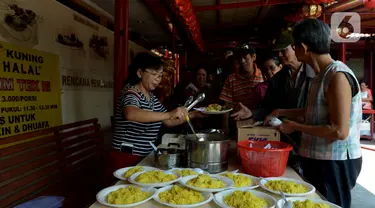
(363,195)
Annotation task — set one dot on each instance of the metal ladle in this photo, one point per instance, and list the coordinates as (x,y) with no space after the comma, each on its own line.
(189,101)
(199,99)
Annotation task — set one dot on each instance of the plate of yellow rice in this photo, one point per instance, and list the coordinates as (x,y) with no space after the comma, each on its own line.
(181,196)
(244,198)
(207,183)
(154,178)
(242,180)
(290,187)
(183,172)
(122,196)
(303,202)
(125,173)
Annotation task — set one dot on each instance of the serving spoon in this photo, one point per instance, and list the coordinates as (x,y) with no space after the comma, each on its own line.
(200,98)
(188,101)
(287,204)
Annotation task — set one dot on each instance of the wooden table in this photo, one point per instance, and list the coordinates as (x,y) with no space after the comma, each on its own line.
(233,161)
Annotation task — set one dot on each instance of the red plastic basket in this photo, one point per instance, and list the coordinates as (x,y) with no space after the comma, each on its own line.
(261,162)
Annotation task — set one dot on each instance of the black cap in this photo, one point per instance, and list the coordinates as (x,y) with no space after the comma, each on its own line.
(283,41)
(244,49)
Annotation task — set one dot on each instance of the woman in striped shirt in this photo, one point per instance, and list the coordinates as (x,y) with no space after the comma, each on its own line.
(139,114)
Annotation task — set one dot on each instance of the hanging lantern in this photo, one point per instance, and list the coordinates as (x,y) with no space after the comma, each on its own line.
(183,9)
(370,4)
(311,10)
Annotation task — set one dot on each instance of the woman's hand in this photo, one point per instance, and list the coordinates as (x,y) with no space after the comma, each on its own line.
(178,113)
(275,113)
(287,127)
(243,113)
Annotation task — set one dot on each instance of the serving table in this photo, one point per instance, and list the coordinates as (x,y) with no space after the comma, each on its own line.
(233,165)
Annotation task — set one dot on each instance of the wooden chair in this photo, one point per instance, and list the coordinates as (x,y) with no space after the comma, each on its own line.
(66,160)
(84,161)
(30,167)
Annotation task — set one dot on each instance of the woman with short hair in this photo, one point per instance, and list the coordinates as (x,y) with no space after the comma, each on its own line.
(330,144)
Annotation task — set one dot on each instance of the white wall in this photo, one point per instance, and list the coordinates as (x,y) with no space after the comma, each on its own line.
(53,18)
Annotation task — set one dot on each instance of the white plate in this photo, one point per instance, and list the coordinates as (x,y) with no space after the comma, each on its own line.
(120,172)
(207,197)
(228,183)
(280,203)
(203,110)
(219,197)
(232,171)
(310,188)
(198,170)
(102,196)
(254,181)
(134,176)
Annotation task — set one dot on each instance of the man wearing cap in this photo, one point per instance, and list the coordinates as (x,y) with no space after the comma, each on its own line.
(286,90)
(239,87)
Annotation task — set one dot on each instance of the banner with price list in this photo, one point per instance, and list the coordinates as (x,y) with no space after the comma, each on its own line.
(29,90)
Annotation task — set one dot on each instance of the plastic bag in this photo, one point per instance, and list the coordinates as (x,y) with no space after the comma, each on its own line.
(43,202)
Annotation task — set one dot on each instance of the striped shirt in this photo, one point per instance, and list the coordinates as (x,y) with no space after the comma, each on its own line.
(138,134)
(317,114)
(239,89)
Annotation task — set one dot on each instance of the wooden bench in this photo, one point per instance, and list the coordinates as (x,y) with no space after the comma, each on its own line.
(63,160)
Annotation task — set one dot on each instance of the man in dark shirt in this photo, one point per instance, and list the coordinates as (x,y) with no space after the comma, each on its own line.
(288,88)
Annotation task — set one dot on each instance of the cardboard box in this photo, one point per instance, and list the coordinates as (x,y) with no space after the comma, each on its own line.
(248,131)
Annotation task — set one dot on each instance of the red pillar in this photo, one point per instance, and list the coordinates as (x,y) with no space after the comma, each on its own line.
(177,74)
(343,52)
(121,37)
(166,54)
(324,14)
(175,56)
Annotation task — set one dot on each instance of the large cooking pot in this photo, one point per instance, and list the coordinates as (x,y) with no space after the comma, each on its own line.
(170,157)
(209,153)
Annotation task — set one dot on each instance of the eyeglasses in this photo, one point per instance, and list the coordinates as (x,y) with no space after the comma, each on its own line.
(155,75)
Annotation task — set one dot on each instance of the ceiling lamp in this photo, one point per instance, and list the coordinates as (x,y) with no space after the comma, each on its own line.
(311,10)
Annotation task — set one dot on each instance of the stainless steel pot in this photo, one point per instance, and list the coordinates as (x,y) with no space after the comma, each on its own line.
(167,158)
(211,131)
(210,153)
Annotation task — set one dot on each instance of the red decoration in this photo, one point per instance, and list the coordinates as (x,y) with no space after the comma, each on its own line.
(369,4)
(183,9)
